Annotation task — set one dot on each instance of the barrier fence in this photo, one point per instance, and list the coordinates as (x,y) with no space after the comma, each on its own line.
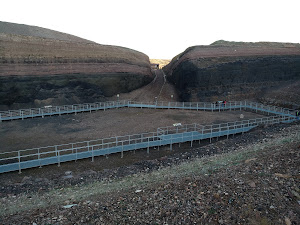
(89,107)
(38,157)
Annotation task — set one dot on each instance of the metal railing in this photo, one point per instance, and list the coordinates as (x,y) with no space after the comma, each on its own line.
(89,107)
(22,159)
(59,110)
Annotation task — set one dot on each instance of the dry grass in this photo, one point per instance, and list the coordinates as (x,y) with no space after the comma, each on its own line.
(20,49)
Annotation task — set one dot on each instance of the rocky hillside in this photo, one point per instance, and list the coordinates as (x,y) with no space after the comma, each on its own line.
(41,67)
(236,70)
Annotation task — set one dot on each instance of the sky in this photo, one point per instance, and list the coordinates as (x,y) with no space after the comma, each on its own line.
(161,28)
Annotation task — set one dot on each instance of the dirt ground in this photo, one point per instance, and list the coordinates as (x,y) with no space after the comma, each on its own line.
(260,188)
(39,132)
(233,184)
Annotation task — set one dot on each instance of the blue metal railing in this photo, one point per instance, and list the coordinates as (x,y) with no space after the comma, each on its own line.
(23,159)
(89,107)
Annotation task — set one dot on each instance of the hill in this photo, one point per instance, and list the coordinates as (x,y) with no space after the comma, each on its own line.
(237,70)
(63,69)
(161,62)
(34,31)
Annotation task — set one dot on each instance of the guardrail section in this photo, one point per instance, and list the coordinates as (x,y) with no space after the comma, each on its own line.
(89,107)
(38,157)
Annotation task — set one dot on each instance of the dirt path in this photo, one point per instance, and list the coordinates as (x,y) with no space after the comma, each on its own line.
(159,88)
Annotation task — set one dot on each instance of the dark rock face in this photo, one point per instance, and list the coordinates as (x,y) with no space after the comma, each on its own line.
(231,77)
(36,91)
(42,67)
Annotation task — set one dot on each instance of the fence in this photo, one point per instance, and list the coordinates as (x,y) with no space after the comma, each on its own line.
(89,107)
(37,157)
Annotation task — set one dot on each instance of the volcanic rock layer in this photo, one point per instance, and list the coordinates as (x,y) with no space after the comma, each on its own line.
(231,70)
(41,67)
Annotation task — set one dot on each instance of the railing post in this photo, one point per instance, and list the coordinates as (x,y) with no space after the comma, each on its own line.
(134,146)
(148,145)
(234,127)
(219,132)
(19,158)
(76,155)
(58,158)
(55,147)
(92,153)
(39,158)
(210,133)
(122,149)
(227,130)
(171,142)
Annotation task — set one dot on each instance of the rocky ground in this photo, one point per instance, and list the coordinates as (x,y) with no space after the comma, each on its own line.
(249,179)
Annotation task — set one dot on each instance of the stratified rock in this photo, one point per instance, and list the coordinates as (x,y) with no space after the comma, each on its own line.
(43,67)
(236,70)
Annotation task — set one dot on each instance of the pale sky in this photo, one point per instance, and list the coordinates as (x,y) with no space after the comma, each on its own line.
(161,28)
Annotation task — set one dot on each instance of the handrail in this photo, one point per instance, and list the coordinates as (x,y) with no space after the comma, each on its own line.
(279,115)
(76,108)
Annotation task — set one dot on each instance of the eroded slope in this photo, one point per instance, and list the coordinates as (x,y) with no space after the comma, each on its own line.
(41,67)
(231,70)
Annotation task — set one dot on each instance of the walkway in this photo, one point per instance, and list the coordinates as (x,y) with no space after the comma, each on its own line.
(37,157)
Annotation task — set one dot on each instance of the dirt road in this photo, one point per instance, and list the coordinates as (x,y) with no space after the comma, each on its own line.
(159,88)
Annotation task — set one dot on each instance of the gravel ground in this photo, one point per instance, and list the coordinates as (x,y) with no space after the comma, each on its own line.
(38,132)
(258,188)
